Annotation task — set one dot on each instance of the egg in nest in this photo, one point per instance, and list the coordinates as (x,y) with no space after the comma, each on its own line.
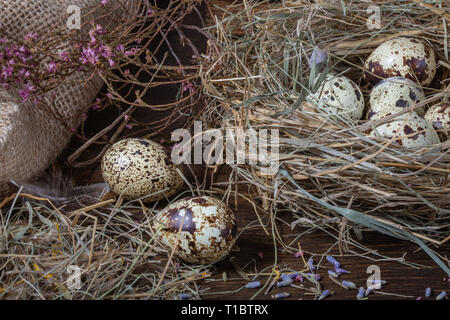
(140,168)
(340,96)
(208,229)
(439,116)
(413,132)
(392,95)
(401,57)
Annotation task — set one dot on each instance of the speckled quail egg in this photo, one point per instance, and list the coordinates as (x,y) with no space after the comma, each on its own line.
(439,116)
(406,57)
(392,95)
(140,168)
(413,132)
(340,96)
(208,229)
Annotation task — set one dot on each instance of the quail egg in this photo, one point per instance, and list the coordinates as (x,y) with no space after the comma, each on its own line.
(140,168)
(208,229)
(340,96)
(392,95)
(403,56)
(413,132)
(439,116)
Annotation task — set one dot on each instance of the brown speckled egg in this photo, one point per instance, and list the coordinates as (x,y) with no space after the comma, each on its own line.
(392,95)
(140,168)
(413,132)
(404,57)
(208,230)
(439,116)
(341,96)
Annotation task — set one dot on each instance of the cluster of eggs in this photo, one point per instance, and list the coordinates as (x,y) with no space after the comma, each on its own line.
(397,70)
(199,229)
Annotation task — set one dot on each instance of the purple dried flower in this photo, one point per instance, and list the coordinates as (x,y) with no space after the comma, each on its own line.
(427,292)
(284,283)
(369,290)
(6,72)
(285,277)
(281,295)
(333,274)
(333,261)
(324,294)
(63,55)
(361,293)
(340,270)
(88,55)
(253,285)
(310,264)
(31,36)
(317,56)
(441,295)
(27,91)
(314,276)
(184,296)
(131,52)
(120,48)
(348,284)
(52,67)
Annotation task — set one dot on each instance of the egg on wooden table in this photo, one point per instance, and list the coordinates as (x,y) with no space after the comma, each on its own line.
(413,132)
(405,57)
(392,95)
(202,229)
(340,96)
(140,168)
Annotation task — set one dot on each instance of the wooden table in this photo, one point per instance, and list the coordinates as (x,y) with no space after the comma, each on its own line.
(254,243)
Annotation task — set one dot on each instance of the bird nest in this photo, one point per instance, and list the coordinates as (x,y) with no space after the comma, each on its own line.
(258,74)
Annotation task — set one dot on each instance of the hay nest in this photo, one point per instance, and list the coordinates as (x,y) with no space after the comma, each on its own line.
(258,75)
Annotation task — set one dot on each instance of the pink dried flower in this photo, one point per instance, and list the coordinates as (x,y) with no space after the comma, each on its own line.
(52,67)
(131,52)
(6,72)
(27,91)
(31,36)
(63,55)
(187,86)
(88,55)
(97,105)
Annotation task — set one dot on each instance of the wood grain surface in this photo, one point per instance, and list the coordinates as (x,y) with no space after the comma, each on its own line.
(253,243)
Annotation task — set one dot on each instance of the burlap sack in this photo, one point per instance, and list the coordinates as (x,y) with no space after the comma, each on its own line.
(29,138)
